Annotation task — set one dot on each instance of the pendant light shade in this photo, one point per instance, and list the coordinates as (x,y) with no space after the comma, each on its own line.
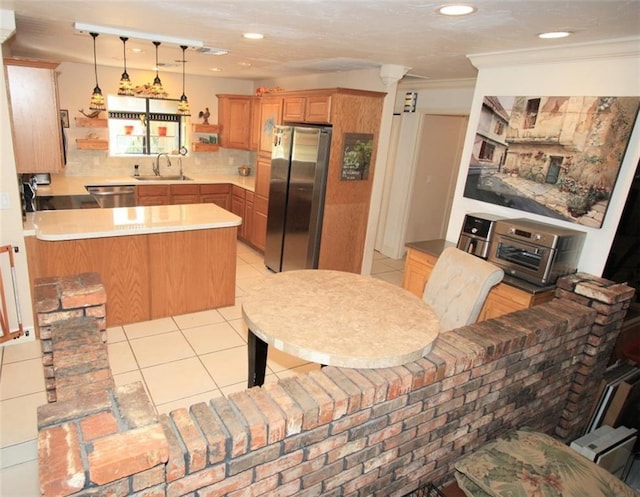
(183,105)
(125,87)
(97,99)
(157,88)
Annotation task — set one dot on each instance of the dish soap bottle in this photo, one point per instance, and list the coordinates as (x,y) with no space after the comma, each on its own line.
(136,170)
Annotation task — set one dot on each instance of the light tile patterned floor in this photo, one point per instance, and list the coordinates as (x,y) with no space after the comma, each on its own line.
(208,348)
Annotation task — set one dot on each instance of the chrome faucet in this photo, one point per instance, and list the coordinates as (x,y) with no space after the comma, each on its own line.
(156,165)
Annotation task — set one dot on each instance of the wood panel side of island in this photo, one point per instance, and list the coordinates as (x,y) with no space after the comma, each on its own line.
(147,276)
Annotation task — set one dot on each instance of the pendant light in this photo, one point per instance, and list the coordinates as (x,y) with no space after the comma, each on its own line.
(157,88)
(97,100)
(183,106)
(125,87)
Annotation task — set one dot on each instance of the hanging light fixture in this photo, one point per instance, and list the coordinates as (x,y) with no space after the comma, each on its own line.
(157,88)
(183,105)
(97,100)
(125,87)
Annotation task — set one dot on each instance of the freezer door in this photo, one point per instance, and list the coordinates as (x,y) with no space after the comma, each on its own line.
(280,160)
(307,179)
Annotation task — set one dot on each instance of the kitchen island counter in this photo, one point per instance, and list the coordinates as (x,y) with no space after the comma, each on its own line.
(154,262)
(124,221)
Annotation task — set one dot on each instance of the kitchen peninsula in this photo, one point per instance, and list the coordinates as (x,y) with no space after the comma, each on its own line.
(154,261)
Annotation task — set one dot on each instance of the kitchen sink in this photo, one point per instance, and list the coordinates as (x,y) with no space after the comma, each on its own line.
(153,177)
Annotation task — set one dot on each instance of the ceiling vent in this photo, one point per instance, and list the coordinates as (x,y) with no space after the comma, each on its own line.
(212,51)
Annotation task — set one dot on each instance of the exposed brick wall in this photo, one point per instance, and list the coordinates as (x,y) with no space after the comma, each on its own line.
(58,299)
(355,432)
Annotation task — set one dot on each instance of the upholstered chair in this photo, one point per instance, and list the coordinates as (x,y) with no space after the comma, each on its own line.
(458,286)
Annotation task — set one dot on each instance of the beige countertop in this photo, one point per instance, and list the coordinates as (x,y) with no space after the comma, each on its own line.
(122,221)
(75,185)
(340,319)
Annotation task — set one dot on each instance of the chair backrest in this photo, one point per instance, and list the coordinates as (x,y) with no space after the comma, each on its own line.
(458,287)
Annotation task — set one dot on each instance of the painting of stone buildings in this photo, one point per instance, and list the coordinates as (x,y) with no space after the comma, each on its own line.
(554,156)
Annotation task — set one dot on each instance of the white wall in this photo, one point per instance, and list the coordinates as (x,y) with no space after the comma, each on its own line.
(10,211)
(451,97)
(602,69)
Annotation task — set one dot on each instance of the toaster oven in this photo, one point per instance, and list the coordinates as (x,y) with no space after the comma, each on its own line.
(535,252)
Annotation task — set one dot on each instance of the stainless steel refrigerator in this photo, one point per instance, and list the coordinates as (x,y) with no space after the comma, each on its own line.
(299,163)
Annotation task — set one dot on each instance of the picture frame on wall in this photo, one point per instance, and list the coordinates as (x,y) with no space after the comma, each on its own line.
(64,118)
(356,156)
(555,156)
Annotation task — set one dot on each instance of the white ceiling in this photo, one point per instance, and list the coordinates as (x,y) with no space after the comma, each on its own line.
(311,36)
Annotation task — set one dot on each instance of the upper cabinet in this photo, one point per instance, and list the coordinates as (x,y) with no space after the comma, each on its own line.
(307,108)
(234,118)
(144,126)
(35,115)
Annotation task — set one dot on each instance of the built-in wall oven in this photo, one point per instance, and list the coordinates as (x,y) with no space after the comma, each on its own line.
(536,252)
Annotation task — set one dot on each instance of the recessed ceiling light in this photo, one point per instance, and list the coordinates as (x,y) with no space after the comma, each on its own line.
(137,50)
(215,69)
(244,64)
(253,36)
(554,34)
(456,10)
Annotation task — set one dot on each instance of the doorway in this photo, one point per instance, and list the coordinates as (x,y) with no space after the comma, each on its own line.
(437,162)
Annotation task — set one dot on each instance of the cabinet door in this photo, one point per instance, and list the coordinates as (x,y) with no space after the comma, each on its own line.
(248,217)
(254,133)
(417,270)
(234,114)
(237,207)
(216,194)
(318,109)
(153,195)
(270,115)
(293,109)
(37,132)
(259,224)
(263,176)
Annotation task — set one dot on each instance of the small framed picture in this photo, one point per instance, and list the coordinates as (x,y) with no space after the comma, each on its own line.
(64,118)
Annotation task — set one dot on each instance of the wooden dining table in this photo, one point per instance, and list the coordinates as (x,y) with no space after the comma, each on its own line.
(335,318)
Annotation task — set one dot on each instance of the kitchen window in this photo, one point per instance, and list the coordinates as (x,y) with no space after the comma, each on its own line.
(144,126)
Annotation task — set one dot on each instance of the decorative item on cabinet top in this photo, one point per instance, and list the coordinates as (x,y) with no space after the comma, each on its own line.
(92,141)
(207,136)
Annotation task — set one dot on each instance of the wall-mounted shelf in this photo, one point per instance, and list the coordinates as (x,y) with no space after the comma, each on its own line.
(87,122)
(204,147)
(205,128)
(86,144)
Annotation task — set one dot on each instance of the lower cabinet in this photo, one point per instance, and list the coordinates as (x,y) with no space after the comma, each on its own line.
(219,194)
(502,298)
(237,207)
(152,195)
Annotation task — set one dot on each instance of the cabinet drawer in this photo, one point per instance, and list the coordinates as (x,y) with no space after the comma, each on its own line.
(249,195)
(224,188)
(152,190)
(184,189)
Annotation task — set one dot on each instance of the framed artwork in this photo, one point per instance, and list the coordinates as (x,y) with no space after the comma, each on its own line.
(356,156)
(554,156)
(64,118)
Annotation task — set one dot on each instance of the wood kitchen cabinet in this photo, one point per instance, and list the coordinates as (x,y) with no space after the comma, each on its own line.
(307,108)
(238,207)
(270,115)
(35,115)
(184,194)
(152,195)
(502,299)
(234,117)
(219,194)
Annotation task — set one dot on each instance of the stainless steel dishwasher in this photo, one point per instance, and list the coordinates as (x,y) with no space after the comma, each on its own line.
(114,195)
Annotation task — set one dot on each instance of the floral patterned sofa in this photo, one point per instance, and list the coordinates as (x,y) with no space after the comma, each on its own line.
(526,463)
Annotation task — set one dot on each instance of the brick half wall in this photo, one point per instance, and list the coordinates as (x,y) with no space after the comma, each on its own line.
(382,432)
